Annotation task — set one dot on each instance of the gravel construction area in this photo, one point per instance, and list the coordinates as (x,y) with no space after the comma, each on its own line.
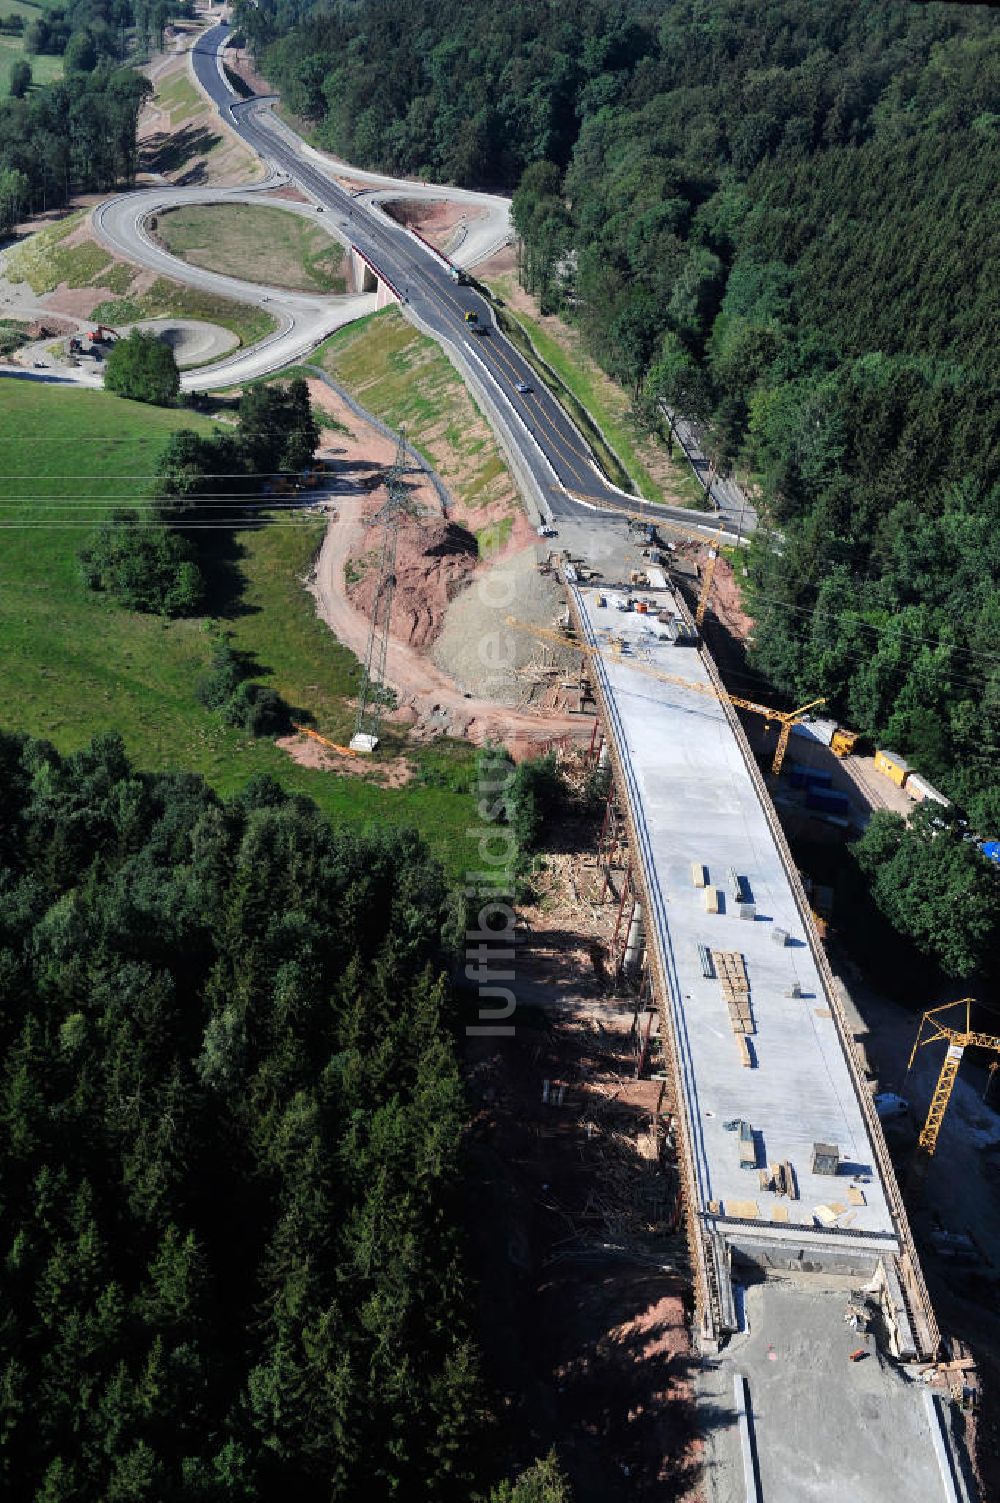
(193,342)
(480,649)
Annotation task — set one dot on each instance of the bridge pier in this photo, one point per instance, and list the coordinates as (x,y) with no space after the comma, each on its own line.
(368,278)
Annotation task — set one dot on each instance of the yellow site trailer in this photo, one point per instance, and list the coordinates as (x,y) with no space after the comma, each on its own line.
(896,769)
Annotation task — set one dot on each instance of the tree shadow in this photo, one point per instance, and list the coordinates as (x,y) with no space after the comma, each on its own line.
(220,554)
(170,151)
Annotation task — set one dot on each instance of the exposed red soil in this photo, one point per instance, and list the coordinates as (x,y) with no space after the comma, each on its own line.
(435,559)
(433,563)
(725,600)
(438,222)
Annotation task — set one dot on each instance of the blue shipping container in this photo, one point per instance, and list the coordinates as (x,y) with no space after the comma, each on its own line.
(827,802)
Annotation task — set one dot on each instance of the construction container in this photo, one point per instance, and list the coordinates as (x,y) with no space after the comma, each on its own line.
(918,788)
(711,900)
(748,911)
(642,609)
(893,767)
(843,742)
(827,801)
(815,730)
(809,777)
(779,936)
(657,579)
(748,1148)
(825,1158)
(699,874)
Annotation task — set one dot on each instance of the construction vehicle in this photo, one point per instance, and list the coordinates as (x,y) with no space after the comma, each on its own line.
(786,719)
(843,742)
(457,276)
(76,347)
(471,317)
(933,1029)
(103,335)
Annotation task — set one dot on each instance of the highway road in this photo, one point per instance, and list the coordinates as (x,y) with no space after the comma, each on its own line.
(550,449)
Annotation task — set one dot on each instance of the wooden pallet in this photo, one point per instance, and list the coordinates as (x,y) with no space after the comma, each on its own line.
(731,969)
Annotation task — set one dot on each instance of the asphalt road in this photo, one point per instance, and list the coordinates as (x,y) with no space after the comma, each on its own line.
(549,446)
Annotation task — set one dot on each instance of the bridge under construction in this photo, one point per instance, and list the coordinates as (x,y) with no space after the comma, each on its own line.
(792,1206)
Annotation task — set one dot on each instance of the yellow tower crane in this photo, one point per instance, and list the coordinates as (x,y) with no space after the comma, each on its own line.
(934,1030)
(707,577)
(785,718)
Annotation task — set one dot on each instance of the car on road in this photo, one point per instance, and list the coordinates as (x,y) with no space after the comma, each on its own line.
(524,388)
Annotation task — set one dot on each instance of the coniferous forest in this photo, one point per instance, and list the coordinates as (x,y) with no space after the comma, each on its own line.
(228,1162)
(778,218)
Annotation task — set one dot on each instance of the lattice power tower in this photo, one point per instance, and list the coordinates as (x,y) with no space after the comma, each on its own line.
(373,696)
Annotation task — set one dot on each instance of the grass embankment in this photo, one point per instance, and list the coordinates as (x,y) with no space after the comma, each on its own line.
(177,96)
(402,377)
(597,404)
(73,664)
(183,139)
(275,247)
(45,261)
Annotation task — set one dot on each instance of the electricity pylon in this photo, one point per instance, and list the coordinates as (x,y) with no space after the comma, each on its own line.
(373,696)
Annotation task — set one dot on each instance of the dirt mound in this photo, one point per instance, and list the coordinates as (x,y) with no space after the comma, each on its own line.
(433,564)
(50,328)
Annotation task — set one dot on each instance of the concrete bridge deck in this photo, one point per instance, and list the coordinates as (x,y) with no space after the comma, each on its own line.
(695,800)
(694,805)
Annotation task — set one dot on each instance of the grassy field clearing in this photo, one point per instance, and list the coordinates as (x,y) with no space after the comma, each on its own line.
(44,68)
(403,378)
(73,664)
(256,243)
